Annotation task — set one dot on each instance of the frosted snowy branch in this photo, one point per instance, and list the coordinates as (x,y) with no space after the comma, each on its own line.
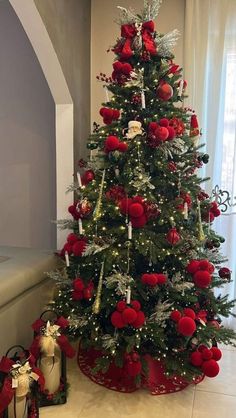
(119,281)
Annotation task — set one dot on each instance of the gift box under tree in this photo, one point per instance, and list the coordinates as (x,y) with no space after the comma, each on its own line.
(20,384)
(50,348)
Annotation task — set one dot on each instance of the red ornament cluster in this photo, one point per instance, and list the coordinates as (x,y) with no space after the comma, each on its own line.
(82,291)
(153,279)
(109,115)
(112,143)
(128,315)
(159,132)
(74,245)
(182,199)
(212,213)
(201,270)
(80,209)
(121,72)
(173,236)
(206,359)
(186,325)
(138,210)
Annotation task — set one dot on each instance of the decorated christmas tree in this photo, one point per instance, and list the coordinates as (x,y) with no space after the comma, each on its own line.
(142,258)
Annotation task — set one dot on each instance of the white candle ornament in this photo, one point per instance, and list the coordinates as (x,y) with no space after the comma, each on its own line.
(181,86)
(143,100)
(67,259)
(128,296)
(17,405)
(106,94)
(51,369)
(129,230)
(79,179)
(80,226)
(185,211)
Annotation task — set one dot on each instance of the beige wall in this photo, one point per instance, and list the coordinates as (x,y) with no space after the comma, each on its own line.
(105,31)
(68,25)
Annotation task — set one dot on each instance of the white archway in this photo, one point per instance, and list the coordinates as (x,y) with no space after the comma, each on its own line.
(34,27)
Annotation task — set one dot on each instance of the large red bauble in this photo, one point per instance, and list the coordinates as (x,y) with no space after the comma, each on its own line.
(164,122)
(152,280)
(171,132)
(225,273)
(124,205)
(164,91)
(78,284)
(79,247)
(134,368)
(216,353)
(121,306)
(196,358)
(207,354)
(152,126)
(115,114)
(129,315)
(139,222)
(144,278)
(210,368)
(175,315)
(117,320)
(172,236)
(72,238)
(136,210)
(88,293)
(87,177)
(136,305)
(186,326)
(203,264)
(139,321)
(126,68)
(190,313)
(192,266)
(111,143)
(122,147)
(161,278)
(202,278)
(162,133)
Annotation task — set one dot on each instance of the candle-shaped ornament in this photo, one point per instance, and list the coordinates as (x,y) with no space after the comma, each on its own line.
(128,295)
(130,230)
(185,211)
(79,179)
(80,226)
(106,94)
(143,99)
(18,408)
(51,369)
(67,259)
(181,86)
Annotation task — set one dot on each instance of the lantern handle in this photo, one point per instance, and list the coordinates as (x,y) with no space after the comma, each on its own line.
(48,311)
(26,352)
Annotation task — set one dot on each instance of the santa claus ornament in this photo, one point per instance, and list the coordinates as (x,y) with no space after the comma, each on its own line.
(134,129)
(20,384)
(50,348)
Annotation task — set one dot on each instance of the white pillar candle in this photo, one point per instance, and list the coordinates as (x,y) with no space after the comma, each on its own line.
(52,372)
(79,179)
(129,230)
(67,259)
(106,94)
(181,86)
(21,410)
(80,226)
(185,211)
(128,296)
(143,99)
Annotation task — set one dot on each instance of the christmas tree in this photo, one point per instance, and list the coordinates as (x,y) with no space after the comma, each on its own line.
(143,260)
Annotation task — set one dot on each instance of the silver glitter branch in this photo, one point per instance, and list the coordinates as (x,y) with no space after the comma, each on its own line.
(119,281)
(177,282)
(76,322)
(161,314)
(94,249)
(166,43)
(109,342)
(59,276)
(149,12)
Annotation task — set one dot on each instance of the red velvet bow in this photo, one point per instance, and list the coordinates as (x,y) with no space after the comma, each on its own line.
(129,32)
(39,323)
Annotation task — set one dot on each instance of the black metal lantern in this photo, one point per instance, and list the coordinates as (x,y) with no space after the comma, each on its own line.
(50,348)
(20,383)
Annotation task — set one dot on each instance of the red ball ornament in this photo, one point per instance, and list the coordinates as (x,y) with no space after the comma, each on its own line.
(139,321)
(87,177)
(203,264)
(225,273)
(121,306)
(161,278)
(129,315)
(202,279)
(152,126)
(88,293)
(202,347)
(164,91)
(78,284)
(139,222)
(72,239)
(78,248)
(190,313)
(186,326)
(161,133)
(171,132)
(111,143)
(117,320)
(175,315)
(134,368)
(136,210)
(210,368)
(172,236)
(207,354)
(122,147)
(196,359)
(216,353)
(149,279)
(193,266)
(164,122)
(124,205)
(211,268)
(136,305)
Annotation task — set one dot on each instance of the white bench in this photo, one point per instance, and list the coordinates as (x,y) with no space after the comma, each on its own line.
(24,292)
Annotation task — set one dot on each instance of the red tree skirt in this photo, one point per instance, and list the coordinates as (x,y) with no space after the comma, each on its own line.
(117,379)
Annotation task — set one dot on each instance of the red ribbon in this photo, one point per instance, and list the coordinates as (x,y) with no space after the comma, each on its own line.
(62,341)
(40,323)
(6,394)
(129,32)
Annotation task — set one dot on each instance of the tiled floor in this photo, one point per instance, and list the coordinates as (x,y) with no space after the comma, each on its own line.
(213,398)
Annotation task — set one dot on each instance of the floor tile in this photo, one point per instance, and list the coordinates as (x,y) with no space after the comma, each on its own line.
(225,382)
(213,405)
